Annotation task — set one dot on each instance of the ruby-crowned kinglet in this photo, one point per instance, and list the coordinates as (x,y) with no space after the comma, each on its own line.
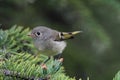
(50,42)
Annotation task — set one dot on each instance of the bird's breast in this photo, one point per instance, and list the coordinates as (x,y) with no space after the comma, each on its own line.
(50,47)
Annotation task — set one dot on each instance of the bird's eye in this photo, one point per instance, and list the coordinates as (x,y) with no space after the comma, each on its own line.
(38,33)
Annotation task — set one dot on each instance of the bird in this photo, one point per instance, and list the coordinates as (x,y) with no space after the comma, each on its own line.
(50,42)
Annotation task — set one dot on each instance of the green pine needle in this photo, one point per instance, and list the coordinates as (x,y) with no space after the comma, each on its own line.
(20,60)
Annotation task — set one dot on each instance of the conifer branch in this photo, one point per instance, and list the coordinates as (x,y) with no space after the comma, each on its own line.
(18,75)
(18,58)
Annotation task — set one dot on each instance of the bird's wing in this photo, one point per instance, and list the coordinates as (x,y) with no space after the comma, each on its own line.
(66,35)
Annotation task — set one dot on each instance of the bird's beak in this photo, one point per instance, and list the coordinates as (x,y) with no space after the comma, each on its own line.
(29,34)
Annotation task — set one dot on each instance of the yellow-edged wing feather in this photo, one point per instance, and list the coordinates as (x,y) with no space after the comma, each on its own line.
(66,35)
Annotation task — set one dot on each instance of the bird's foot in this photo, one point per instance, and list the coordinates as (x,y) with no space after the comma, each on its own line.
(58,56)
(43,66)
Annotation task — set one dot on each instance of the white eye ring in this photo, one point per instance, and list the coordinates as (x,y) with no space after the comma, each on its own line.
(38,33)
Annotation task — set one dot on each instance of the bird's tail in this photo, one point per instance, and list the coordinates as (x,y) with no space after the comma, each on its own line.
(66,35)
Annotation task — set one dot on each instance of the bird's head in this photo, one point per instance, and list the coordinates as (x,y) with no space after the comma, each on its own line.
(42,33)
